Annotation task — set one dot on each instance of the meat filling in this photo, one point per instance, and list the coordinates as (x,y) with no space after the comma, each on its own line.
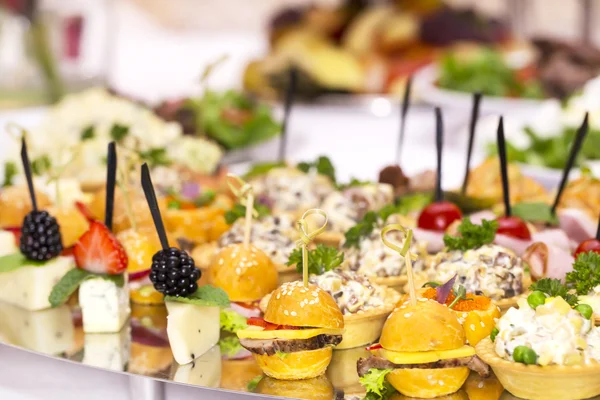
(474,363)
(272,346)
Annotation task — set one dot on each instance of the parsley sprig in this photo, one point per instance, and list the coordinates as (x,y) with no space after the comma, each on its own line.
(239,211)
(320,260)
(471,236)
(554,288)
(323,165)
(586,273)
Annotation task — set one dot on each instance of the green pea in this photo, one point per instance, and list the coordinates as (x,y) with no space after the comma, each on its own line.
(536,299)
(525,355)
(585,310)
(494,333)
(174,205)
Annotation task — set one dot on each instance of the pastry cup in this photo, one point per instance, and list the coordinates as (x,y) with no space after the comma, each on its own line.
(342,369)
(398,283)
(333,239)
(534,382)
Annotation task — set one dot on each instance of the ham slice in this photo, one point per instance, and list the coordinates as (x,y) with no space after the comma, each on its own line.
(553,237)
(577,224)
(245,311)
(548,261)
(479,216)
(434,240)
(517,245)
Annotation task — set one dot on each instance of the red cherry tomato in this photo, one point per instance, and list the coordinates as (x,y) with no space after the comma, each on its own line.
(514,227)
(587,246)
(438,216)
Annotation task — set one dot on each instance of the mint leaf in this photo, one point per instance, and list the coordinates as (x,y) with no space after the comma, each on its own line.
(69,283)
(205,296)
(254,383)
(471,236)
(535,212)
(232,321)
(10,171)
(119,132)
(88,133)
(259,169)
(17,260)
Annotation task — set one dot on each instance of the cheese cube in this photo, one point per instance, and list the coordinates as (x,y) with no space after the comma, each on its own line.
(7,243)
(203,371)
(29,287)
(192,330)
(108,350)
(104,305)
(47,331)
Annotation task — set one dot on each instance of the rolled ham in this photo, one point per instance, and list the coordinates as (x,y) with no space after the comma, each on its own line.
(577,224)
(479,216)
(517,245)
(548,261)
(434,240)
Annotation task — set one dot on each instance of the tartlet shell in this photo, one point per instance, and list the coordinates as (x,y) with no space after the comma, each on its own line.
(534,382)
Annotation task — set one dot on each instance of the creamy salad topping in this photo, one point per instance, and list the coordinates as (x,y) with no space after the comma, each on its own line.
(344,209)
(352,292)
(376,259)
(592,299)
(557,334)
(489,270)
(272,234)
(289,189)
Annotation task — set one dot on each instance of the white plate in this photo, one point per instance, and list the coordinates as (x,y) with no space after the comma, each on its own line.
(426,89)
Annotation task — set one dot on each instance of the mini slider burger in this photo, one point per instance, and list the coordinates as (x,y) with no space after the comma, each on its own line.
(301,325)
(422,351)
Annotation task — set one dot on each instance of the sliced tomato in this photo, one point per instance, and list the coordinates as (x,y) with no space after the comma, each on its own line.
(256,321)
(375,346)
(288,327)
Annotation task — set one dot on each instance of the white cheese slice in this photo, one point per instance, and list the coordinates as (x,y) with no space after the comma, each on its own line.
(104,305)
(7,243)
(203,371)
(108,350)
(47,331)
(192,330)
(29,287)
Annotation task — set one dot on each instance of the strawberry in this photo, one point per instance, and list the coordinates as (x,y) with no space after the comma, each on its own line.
(84,210)
(99,251)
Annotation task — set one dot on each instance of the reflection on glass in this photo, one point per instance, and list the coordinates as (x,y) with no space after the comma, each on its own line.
(108,350)
(312,389)
(479,388)
(236,374)
(150,351)
(46,331)
(342,370)
(204,371)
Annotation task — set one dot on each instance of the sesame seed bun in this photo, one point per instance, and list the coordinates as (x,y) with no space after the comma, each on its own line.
(15,204)
(245,273)
(297,365)
(428,383)
(313,389)
(427,326)
(296,305)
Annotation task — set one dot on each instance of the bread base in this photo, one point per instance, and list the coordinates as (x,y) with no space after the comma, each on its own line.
(428,383)
(297,365)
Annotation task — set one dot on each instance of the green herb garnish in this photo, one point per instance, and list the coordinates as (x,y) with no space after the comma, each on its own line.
(471,236)
(88,133)
(260,169)
(282,355)
(251,386)
(361,230)
(206,197)
(232,321)
(10,171)
(230,346)
(119,132)
(239,211)
(323,166)
(205,296)
(377,387)
(535,212)
(586,273)
(354,182)
(69,283)
(17,260)
(554,288)
(156,157)
(320,260)
(41,165)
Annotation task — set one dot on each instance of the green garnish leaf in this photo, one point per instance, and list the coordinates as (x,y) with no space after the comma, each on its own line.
(10,171)
(323,166)
(554,288)
(239,211)
(232,321)
(156,157)
(205,296)
(41,165)
(535,212)
(174,205)
(586,273)
(431,284)
(260,169)
(320,260)
(377,387)
(354,182)
(230,346)
(69,283)
(254,383)
(361,230)
(206,197)
(282,355)
(471,236)
(88,133)
(413,202)
(17,260)
(119,132)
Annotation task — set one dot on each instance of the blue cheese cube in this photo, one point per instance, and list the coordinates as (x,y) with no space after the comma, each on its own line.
(104,305)
(108,350)
(203,371)
(47,331)
(192,330)
(7,243)
(29,287)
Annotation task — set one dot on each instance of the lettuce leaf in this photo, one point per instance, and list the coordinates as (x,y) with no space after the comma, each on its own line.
(377,387)
(232,321)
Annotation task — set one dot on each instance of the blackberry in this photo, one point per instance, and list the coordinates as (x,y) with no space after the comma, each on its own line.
(40,236)
(174,273)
